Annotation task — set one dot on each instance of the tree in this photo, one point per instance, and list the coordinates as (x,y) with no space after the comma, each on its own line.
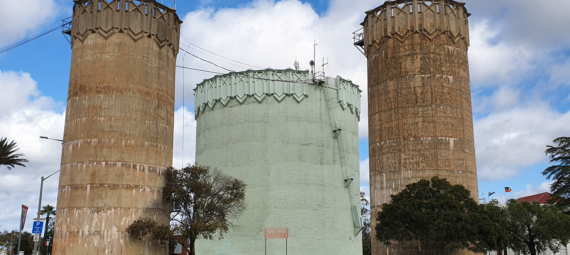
(560,173)
(8,156)
(533,228)
(492,232)
(9,240)
(208,201)
(438,217)
(49,211)
(365,214)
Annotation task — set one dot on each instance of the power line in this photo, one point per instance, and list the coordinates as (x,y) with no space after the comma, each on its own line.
(236,65)
(224,57)
(190,68)
(27,40)
(259,78)
(247,76)
(183,110)
(207,61)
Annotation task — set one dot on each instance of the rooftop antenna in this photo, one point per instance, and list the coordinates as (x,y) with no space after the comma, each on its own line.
(296,64)
(325,64)
(314,57)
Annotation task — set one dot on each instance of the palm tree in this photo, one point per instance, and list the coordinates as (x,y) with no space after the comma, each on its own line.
(48,210)
(8,156)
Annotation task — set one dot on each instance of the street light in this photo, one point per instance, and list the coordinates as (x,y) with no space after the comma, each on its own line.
(45,137)
(36,243)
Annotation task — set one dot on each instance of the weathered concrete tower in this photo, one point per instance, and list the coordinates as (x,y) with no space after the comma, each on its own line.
(419,99)
(119,124)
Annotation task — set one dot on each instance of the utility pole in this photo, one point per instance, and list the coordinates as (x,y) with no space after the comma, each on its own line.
(37,244)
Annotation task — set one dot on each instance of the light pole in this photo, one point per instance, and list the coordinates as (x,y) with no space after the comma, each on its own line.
(45,137)
(36,243)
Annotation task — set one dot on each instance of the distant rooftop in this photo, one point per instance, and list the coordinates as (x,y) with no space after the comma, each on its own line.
(541,198)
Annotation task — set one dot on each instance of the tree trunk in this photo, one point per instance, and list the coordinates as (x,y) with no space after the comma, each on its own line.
(192,246)
(532,248)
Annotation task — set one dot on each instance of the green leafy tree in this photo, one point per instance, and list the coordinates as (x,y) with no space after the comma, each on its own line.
(365,214)
(560,172)
(9,240)
(49,211)
(492,231)
(8,155)
(533,228)
(208,201)
(436,216)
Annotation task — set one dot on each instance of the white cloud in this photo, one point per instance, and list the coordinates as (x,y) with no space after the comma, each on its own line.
(532,190)
(508,141)
(561,74)
(274,34)
(17,18)
(496,63)
(188,139)
(25,116)
(364,172)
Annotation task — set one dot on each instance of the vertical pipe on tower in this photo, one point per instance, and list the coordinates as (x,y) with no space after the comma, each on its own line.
(419,100)
(119,125)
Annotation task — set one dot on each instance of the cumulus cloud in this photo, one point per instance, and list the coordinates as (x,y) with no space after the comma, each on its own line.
(508,141)
(273,34)
(532,190)
(364,172)
(494,62)
(184,138)
(17,19)
(25,116)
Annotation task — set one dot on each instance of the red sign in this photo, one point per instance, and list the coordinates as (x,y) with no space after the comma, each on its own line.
(24,214)
(276,233)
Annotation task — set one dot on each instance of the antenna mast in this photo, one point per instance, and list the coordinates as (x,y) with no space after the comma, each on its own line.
(325,64)
(314,55)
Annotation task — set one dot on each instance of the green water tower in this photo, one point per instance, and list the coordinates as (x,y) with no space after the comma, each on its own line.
(293,139)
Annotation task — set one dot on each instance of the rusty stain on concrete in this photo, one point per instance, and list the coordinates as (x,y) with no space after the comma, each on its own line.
(419,100)
(119,124)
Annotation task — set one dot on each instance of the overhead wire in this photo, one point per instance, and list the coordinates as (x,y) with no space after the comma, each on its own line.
(183,110)
(236,65)
(212,63)
(27,40)
(207,61)
(223,56)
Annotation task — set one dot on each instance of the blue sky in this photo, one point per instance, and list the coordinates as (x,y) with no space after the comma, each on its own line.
(519,66)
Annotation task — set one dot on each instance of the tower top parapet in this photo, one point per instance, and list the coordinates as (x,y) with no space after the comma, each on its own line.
(136,18)
(398,19)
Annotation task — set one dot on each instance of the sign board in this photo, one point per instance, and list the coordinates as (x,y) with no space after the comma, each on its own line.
(178,248)
(38,227)
(24,214)
(36,237)
(41,219)
(276,233)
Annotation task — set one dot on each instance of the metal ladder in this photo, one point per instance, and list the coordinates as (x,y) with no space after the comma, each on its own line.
(354,199)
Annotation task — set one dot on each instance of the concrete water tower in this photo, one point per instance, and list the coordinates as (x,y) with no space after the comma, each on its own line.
(293,140)
(119,124)
(419,99)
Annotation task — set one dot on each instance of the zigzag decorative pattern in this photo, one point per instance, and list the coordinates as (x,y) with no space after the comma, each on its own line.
(269,83)
(136,18)
(348,95)
(398,19)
